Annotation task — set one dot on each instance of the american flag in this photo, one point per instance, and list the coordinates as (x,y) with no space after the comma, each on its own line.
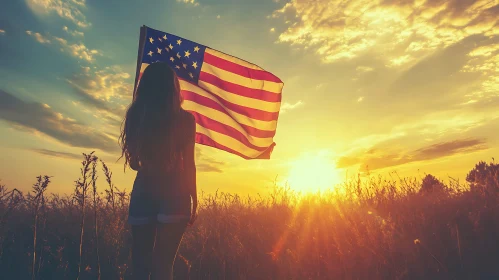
(235,103)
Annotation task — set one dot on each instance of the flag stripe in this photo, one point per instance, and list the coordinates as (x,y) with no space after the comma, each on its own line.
(227,130)
(220,115)
(184,85)
(238,89)
(205,140)
(230,66)
(239,99)
(228,141)
(240,80)
(256,136)
(228,106)
(232,59)
(227,120)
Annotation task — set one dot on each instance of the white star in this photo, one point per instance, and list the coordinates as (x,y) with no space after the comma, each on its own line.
(160,39)
(196,49)
(167,49)
(164,37)
(171,47)
(185,65)
(195,65)
(150,53)
(159,50)
(190,74)
(178,55)
(151,40)
(172,59)
(187,53)
(176,66)
(179,41)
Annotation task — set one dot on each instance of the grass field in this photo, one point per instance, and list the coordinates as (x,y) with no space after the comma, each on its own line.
(380,228)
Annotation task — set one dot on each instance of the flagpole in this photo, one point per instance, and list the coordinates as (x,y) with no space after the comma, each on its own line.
(139,56)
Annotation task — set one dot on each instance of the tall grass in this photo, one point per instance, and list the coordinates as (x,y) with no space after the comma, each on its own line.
(379,228)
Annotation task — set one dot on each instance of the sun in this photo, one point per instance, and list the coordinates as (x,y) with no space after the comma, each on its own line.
(312,173)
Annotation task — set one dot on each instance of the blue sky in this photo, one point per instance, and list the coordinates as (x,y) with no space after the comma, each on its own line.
(392,85)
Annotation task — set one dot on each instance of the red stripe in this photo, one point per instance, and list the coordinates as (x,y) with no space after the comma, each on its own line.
(246,111)
(239,69)
(259,94)
(219,127)
(203,101)
(205,140)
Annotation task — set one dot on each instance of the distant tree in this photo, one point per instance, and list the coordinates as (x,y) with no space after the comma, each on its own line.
(484,177)
(431,184)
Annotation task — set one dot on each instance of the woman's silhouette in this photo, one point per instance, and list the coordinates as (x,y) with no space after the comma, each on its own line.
(157,140)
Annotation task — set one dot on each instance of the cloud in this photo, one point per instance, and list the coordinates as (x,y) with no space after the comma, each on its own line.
(288,106)
(207,164)
(399,32)
(376,158)
(484,61)
(41,118)
(104,84)
(191,2)
(39,37)
(74,33)
(364,69)
(444,78)
(78,50)
(57,154)
(66,9)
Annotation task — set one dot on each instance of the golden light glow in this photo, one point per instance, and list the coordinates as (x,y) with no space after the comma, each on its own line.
(312,173)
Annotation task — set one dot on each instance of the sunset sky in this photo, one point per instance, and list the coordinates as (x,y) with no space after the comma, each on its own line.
(406,86)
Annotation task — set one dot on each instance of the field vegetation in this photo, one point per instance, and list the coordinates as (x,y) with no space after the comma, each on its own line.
(378,228)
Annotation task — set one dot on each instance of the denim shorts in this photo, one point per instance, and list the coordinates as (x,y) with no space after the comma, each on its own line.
(158,200)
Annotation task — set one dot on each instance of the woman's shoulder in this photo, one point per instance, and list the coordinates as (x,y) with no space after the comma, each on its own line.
(188,117)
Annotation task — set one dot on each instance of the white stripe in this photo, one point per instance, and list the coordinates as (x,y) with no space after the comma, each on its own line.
(268,125)
(241,100)
(233,59)
(225,119)
(241,80)
(143,67)
(229,142)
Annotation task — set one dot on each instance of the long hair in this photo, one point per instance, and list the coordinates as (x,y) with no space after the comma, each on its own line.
(149,126)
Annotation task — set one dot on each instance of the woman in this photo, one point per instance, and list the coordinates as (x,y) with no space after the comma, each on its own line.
(157,140)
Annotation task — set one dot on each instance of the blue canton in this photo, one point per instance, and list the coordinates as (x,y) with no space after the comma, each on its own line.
(183,56)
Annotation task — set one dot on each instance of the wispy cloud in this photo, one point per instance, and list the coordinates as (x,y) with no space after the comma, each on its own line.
(78,50)
(57,154)
(39,37)
(191,2)
(104,84)
(288,106)
(42,118)
(66,9)
(398,31)
(375,158)
(205,163)
(74,33)
(484,61)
